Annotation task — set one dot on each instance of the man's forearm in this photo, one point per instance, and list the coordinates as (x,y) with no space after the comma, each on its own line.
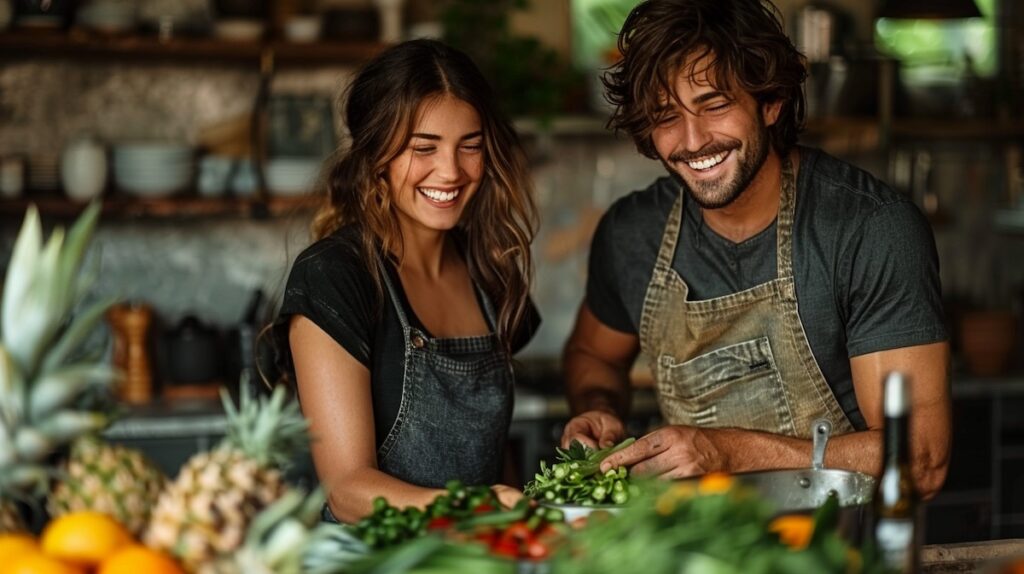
(592,384)
(746,451)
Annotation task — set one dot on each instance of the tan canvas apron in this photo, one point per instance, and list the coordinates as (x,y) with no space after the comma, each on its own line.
(739,361)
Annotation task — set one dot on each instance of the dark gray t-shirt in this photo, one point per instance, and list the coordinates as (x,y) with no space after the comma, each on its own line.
(864,263)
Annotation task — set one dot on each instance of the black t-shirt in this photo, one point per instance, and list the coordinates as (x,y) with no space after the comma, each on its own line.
(864,263)
(331,285)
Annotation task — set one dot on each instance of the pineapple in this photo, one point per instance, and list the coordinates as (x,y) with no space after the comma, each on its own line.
(46,377)
(288,538)
(206,511)
(107,478)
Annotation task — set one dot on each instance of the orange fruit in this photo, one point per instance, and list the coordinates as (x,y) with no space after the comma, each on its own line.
(14,545)
(137,559)
(84,538)
(714,483)
(36,563)
(794,530)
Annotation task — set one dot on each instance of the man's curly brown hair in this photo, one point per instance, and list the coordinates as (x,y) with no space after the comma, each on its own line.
(748,50)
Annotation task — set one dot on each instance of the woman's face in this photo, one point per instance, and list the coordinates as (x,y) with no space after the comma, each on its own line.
(433,179)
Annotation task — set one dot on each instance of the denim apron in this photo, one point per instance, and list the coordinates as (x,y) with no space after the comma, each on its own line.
(738,361)
(456,406)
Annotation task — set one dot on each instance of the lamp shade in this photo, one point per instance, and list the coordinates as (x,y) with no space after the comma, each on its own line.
(929,9)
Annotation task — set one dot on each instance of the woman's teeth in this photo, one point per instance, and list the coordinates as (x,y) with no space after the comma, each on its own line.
(708,162)
(438,195)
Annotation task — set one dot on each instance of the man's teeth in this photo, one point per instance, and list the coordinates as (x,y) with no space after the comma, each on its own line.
(708,162)
(438,195)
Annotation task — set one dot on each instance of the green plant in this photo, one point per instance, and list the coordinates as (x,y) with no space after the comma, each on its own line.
(529,78)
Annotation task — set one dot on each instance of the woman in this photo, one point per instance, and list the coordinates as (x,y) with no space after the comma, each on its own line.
(402,317)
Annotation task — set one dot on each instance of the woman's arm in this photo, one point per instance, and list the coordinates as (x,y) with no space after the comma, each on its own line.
(334,389)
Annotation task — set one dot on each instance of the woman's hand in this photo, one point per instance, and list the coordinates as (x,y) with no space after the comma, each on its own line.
(507,496)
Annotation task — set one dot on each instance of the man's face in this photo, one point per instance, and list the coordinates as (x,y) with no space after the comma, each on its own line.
(716,139)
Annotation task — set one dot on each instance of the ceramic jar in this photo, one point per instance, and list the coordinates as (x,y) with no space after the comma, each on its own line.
(83,169)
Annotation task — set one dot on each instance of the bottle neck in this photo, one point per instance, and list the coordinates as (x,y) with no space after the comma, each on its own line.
(897,444)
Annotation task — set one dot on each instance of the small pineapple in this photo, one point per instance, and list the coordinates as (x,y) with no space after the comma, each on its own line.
(289,538)
(10,517)
(112,479)
(46,377)
(207,510)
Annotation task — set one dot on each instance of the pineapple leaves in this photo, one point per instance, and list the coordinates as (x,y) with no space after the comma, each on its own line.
(76,333)
(270,431)
(12,391)
(41,285)
(57,389)
(20,271)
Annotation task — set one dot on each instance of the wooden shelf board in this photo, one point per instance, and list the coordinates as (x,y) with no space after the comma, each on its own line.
(77,44)
(171,207)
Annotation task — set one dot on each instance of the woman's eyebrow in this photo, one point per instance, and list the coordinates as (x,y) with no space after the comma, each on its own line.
(436,137)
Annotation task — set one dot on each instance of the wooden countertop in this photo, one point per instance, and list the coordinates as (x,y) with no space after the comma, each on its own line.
(969,556)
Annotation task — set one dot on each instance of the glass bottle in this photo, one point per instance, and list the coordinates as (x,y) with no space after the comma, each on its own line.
(896,525)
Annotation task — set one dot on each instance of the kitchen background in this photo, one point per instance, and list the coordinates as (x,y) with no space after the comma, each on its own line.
(944,123)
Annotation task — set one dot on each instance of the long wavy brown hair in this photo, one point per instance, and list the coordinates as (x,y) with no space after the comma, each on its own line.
(380,108)
(748,50)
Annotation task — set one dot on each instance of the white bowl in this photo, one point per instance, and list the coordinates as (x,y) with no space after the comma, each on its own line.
(303,28)
(573,512)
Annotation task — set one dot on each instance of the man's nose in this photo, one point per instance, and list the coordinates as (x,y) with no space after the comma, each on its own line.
(695,133)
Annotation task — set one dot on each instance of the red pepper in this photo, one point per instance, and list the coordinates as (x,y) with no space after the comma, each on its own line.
(517,530)
(537,550)
(488,536)
(483,507)
(439,523)
(505,547)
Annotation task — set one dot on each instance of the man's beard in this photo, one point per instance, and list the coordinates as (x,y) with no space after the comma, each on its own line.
(715,194)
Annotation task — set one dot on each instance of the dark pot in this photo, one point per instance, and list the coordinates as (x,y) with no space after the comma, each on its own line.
(194,353)
(43,13)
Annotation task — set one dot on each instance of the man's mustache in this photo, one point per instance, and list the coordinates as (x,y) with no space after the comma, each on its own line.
(710,149)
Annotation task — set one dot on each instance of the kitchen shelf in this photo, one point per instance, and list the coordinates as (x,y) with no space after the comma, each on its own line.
(120,207)
(80,45)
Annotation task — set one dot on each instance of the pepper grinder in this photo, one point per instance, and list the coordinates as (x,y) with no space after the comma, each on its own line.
(130,324)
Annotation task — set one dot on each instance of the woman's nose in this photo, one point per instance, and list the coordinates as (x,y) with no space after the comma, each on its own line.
(447,165)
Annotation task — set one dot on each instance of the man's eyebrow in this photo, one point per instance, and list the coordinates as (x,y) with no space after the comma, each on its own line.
(710,96)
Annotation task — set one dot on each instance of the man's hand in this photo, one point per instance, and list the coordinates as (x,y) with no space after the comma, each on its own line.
(675,451)
(596,429)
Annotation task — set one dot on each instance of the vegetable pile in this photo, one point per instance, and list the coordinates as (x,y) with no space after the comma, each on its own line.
(577,478)
(468,514)
(711,526)
(388,525)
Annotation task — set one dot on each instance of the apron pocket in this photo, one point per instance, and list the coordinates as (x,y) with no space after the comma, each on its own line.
(734,386)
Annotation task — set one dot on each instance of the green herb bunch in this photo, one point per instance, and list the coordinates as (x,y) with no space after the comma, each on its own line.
(389,525)
(577,478)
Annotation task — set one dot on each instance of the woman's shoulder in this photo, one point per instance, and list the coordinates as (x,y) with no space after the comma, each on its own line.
(336,258)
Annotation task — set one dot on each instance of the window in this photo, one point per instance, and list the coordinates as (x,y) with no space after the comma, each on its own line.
(930,50)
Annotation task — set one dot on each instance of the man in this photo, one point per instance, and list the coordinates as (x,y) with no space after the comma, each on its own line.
(769,284)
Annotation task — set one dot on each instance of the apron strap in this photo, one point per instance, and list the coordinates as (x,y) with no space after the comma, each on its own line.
(667,251)
(784,221)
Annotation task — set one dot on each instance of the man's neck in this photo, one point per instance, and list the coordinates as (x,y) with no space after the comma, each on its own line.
(755,209)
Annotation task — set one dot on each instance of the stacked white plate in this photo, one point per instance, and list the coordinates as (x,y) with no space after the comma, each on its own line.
(110,16)
(43,172)
(288,176)
(152,169)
